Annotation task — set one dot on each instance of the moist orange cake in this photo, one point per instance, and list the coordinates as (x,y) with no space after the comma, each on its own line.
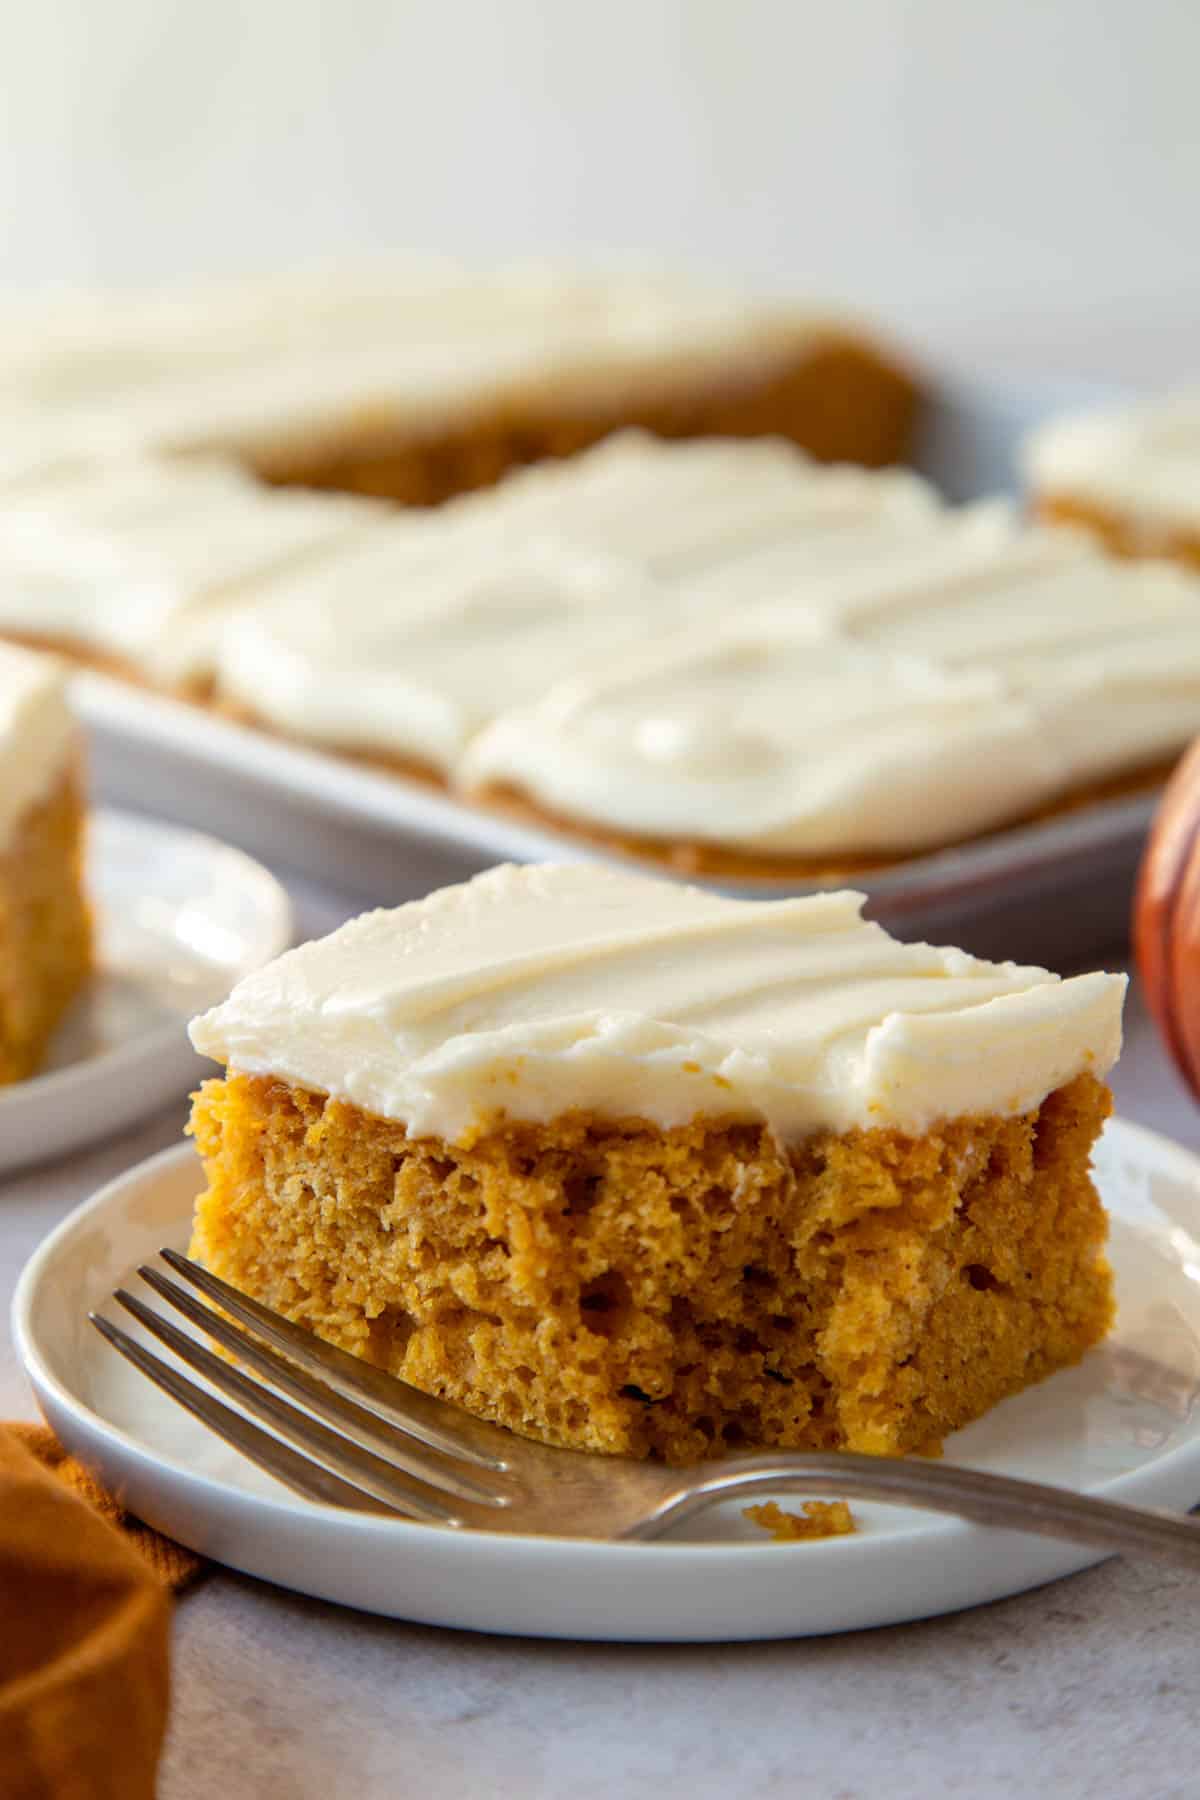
(416,380)
(45,933)
(633,1168)
(1129,475)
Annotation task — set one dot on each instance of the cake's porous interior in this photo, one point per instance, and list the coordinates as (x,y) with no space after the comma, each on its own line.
(837,398)
(45,928)
(612,1286)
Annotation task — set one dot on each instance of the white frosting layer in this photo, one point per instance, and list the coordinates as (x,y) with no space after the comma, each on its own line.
(397,649)
(1105,655)
(409,642)
(412,345)
(770,740)
(714,641)
(37,732)
(963,681)
(34,450)
(1141,462)
(691,509)
(530,991)
(141,559)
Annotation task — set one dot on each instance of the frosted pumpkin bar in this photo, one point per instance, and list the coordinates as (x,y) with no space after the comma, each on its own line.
(976,676)
(409,639)
(635,1168)
(134,563)
(45,929)
(416,378)
(1129,474)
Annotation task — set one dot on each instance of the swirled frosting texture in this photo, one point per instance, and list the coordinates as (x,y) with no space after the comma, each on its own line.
(898,700)
(725,643)
(37,732)
(404,648)
(142,558)
(410,639)
(414,343)
(682,510)
(768,738)
(530,991)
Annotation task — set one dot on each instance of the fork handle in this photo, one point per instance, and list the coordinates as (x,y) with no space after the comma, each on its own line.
(973,1494)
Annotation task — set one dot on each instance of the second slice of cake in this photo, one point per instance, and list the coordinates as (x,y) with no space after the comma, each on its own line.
(45,925)
(631,1167)
(1128,474)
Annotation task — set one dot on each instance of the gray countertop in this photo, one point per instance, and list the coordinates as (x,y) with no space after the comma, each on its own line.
(1086,1687)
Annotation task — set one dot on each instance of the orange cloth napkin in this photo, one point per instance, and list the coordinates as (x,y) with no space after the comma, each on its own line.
(84,1616)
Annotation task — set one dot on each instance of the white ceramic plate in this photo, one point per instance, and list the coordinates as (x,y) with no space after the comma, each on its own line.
(179,919)
(1125,1423)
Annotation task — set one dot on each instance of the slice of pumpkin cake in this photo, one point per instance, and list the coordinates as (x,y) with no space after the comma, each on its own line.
(635,1168)
(45,926)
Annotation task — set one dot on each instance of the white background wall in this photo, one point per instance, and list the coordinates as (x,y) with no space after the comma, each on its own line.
(1018,177)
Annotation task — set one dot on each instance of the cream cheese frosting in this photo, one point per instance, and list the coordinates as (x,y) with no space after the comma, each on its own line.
(531,991)
(37,732)
(414,344)
(35,450)
(404,647)
(1105,654)
(1141,462)
(955,687)
(410,642)
(706,505)
(716,641)
(779,742)
(140,559)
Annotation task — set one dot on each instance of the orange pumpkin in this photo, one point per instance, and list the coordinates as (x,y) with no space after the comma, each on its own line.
(1166,917)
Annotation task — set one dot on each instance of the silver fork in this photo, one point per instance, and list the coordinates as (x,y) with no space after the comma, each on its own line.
(362,1439)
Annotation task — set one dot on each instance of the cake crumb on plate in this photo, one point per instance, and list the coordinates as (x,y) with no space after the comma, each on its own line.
(816,1519)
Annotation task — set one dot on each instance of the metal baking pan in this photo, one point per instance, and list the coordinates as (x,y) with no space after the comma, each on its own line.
(1057,891)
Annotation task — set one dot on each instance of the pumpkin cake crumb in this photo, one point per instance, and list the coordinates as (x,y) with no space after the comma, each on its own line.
(816,1519)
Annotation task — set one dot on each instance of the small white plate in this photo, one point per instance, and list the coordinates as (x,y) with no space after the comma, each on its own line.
(1124,1423)
(179,919)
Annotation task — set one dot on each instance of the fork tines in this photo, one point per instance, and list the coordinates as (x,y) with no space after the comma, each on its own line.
(357,1438)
